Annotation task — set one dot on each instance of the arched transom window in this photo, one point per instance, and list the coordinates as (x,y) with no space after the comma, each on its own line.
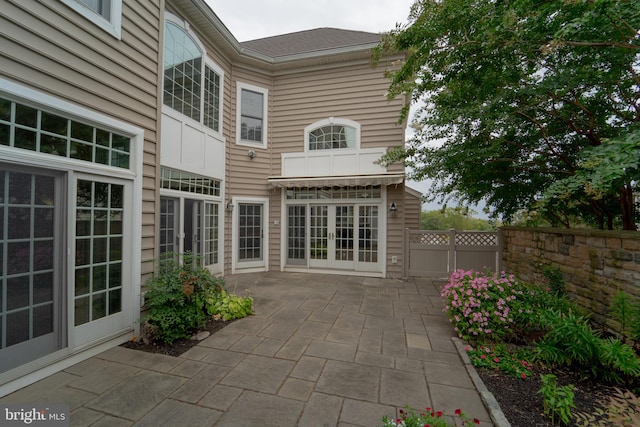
(333,134)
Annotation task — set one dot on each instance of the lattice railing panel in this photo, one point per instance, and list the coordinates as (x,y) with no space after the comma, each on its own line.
(429,238)
(476,239)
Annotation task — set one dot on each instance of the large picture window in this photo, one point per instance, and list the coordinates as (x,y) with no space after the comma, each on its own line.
(192,86)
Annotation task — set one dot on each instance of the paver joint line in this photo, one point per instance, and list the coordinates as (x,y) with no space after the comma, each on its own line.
(343,350)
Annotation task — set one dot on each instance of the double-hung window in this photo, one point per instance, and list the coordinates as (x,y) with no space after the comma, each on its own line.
(252,115)
(106,14)
(192,85)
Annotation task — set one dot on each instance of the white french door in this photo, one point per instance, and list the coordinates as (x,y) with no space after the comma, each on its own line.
(193,226)
(102,262)
(250,234)
(341,236)
(331,236)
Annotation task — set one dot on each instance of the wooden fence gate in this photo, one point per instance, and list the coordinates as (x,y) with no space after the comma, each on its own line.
(438,253)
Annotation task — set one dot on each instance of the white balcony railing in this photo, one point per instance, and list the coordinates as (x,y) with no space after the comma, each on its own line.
(333,163)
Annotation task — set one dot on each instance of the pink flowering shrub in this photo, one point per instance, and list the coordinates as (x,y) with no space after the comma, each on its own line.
(486,307)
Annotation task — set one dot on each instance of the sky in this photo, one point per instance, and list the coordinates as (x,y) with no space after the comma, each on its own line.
(254,19)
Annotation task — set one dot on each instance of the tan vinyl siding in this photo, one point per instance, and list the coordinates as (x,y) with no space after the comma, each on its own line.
(355,92)
(48,46)
(395,231)
(412,211)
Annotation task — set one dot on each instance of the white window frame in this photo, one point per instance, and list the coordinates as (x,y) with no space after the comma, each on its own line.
(62,359)
(218,70)
(206,62)
(180,197)
(265,102)
(112,26)
(327,122)
(249,266)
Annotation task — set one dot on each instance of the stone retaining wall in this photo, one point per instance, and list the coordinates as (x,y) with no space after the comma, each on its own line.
(595,264)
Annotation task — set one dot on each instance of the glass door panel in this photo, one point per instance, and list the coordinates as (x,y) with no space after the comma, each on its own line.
(30,286)
(102,260)
(210,251)
(343,235)
(250,232)
(99,240)
(296,235)
(368,235)
(169,226)
(319,236)
(331,236)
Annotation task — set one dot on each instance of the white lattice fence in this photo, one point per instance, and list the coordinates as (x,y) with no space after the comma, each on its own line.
(438,253)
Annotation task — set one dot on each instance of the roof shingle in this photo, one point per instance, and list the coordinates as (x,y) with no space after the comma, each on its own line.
(308,41)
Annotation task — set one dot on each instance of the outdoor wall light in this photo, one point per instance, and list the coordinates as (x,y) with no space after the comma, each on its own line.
(251,154)
(393,208)
(229,206)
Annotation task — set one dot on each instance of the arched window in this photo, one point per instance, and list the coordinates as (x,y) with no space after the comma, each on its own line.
(332,134)
(190,87)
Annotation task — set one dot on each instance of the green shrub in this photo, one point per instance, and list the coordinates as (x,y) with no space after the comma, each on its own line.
(487,307)
(176,296)
(570,341)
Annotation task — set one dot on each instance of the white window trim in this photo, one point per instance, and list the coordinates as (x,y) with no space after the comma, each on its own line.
(114,27)
(181,196)
(256,266)
(265,123)
(218,70)
(327,122)
(207,61)
(38,369)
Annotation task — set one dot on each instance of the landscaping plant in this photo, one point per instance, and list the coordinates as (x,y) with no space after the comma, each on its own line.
(182,296)
(229,306)
(570,341)
(557,400)
(428,417)
(626,310)
(514,363)
(486,307)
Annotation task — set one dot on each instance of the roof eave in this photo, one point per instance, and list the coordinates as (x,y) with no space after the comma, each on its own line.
(237,52)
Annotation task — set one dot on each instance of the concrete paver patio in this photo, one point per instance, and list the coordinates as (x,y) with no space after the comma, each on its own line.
(321,350)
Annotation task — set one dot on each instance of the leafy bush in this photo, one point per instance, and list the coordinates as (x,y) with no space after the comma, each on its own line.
(570,341)
(228,306)
(177,296)
(486,307)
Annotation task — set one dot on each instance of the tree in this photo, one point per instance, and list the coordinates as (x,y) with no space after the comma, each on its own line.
(521,95)
(458,218)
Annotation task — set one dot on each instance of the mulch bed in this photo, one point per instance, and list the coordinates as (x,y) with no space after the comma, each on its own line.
(179,346)
(522,405)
